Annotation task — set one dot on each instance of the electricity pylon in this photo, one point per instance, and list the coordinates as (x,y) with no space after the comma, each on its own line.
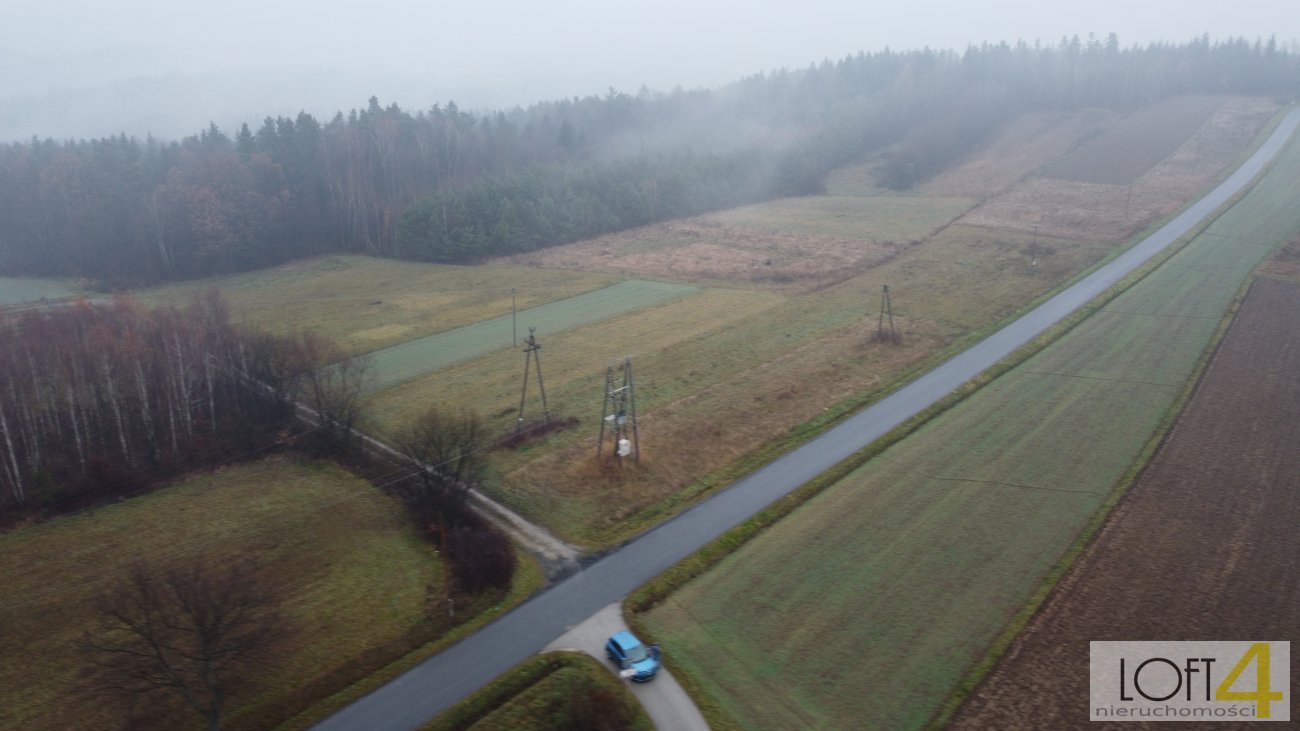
(619,413)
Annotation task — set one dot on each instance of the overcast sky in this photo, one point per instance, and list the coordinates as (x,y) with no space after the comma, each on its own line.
(502,52)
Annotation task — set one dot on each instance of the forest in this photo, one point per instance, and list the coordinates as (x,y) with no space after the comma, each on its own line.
(444,184)
(103,402)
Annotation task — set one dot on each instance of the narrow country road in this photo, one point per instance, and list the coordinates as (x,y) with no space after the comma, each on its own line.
(437,683)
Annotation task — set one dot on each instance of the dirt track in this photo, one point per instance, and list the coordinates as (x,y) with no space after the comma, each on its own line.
(1204,546)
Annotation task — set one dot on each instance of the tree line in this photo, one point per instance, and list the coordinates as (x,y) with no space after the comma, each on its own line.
(445,184)
(100,402)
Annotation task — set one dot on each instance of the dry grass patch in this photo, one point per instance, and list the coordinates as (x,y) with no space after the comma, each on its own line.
(793,244)
(707,430)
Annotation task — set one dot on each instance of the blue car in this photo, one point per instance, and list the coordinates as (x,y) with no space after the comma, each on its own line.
(638,662)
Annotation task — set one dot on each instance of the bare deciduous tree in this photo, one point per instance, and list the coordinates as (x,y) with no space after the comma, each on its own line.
(450,447)
(194,632)
(332,388)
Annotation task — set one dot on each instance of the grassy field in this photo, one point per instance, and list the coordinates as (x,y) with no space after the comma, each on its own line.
(725,372)
(891,218)
(413,358)
(557,690)
(573,363)
(1223,484)
(352,572)
(897,578)
(709,400)
(367,303)
(17,290)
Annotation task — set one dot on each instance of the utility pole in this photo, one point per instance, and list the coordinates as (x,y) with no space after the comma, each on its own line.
(886,310)
(532,350)
(514,327)
(619,412)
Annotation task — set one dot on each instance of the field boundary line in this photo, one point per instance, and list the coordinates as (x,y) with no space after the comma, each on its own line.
(999,483)
(1157,314)
(1100,378)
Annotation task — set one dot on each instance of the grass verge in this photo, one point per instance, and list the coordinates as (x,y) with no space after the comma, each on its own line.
(540,693)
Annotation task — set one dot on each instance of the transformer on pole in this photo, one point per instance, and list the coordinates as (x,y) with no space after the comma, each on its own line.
(618,415)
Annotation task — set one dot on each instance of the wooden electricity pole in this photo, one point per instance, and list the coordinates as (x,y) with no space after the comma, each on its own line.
(886,310)
(532,350)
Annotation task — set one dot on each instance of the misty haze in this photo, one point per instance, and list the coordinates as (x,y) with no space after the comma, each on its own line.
(584,365)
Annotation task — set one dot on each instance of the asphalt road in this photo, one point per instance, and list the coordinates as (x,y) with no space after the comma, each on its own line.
(434,685)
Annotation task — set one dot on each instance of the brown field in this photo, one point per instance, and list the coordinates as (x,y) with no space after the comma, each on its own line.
(792,244)
(1286,264)
(693,250)
(1112,212)
(1019,150)
(1202,547)
(1136,142)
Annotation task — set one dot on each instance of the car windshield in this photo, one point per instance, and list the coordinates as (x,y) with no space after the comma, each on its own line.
(636,653)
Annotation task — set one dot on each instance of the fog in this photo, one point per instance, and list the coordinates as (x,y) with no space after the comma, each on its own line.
(77,68)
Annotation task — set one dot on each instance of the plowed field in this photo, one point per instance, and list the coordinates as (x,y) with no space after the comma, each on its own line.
(1203,547)
(1132,145)
(1089,203)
